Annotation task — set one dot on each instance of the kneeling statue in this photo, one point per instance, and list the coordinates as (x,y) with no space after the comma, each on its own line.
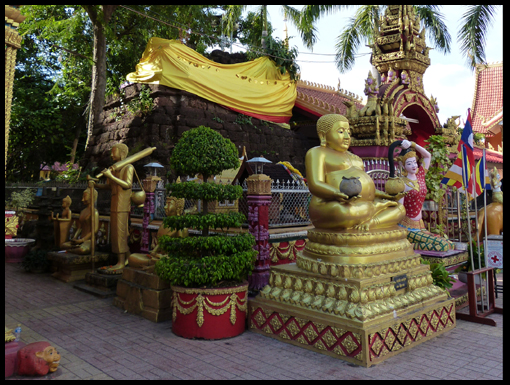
(81,241)
(146,262)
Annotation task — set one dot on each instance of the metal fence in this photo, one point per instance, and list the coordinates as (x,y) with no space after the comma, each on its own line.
(52,193)
(289,204)
(288,207)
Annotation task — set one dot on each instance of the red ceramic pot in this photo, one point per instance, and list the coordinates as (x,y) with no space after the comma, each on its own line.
(209,313)
(16,249)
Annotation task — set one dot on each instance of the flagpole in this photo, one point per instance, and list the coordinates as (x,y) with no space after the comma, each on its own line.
(466,183)
(485,217)
(473,181)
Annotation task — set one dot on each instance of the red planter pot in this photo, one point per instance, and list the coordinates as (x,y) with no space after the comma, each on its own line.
(16,249)
(209,313)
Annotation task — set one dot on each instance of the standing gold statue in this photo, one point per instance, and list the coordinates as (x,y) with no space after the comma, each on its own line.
(63,224)
(82,239)
(120,181)
(326,167)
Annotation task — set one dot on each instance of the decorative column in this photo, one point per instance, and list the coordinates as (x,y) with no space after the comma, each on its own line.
(149,186)
(12,43)
(259,198)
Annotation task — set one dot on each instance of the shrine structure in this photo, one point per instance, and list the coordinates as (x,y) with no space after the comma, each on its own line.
(349,295)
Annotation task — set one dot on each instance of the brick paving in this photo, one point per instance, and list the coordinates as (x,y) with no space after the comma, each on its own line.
(98,341)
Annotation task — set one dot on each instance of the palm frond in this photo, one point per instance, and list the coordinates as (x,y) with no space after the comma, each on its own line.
(472,36)
(303,23)
(315,12)
(359,29)
(232,15)
(435,26)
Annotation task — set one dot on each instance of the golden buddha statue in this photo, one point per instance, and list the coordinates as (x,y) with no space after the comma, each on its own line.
(326,166)
(63,224)
(81,241)
(146,262)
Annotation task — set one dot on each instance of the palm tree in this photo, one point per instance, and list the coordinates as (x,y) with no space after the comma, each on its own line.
(360,29)
(302,22)
(475,22)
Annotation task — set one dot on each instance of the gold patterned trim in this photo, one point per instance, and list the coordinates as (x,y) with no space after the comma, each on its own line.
(362,270)
(341,342)
(347,300)
(201,301)
(367,250)
(278,253)
(401,335)
(355,239)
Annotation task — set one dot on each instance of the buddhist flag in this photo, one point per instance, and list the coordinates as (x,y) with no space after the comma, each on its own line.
(483,180)
(460,174)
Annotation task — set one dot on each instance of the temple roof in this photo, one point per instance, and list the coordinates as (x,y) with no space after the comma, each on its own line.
(487,108)
(320,99)
(490,155)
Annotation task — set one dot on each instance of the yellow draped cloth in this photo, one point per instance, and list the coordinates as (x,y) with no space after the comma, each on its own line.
(255,88)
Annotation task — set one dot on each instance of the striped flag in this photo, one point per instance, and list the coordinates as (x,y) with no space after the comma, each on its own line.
(483,180)
(460,173)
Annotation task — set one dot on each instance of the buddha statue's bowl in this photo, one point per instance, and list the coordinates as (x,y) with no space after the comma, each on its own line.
(350,186)
(394,186)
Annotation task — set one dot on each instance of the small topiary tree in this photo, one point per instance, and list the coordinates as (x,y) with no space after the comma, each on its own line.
(205,261)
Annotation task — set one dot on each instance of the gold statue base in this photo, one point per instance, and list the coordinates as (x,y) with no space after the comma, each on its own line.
(359,304)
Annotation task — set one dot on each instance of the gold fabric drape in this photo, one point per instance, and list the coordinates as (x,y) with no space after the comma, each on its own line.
(255,88)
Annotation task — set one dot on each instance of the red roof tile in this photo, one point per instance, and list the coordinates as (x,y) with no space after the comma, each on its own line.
(487,108)
(325,98)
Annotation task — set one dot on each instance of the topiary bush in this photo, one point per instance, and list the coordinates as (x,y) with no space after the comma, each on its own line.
(206,260)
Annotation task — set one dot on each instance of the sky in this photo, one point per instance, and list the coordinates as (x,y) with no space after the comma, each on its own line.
(449,79)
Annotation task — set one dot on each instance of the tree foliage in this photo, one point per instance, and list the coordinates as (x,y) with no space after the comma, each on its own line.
(53,78)
(475,23)
(202,150)
(205,260)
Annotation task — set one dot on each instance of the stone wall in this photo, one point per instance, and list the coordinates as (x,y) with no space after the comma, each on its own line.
(177,111)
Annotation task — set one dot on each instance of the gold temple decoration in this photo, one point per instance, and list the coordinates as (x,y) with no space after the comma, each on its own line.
(13,18)
(400,55)
(358,285)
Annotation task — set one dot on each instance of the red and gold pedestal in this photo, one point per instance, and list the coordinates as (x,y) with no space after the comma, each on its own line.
(209,313)
(361,304)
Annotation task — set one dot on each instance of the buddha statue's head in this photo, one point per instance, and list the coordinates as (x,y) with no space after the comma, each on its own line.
(333,131)
(174,206)
(67,201)
(86,196)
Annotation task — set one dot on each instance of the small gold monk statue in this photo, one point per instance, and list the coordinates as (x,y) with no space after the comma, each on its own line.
(81,241)
(326,166)
(174,206)
(120,182)
(63,224)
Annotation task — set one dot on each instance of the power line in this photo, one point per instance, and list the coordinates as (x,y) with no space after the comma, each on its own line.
(189,31)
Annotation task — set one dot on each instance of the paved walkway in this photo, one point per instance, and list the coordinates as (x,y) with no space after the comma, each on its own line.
(98,341)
